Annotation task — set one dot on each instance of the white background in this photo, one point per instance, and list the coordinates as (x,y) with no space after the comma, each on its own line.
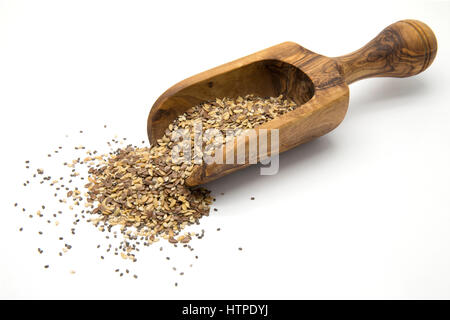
(363,212)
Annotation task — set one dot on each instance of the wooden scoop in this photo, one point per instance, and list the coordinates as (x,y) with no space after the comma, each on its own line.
(318,83)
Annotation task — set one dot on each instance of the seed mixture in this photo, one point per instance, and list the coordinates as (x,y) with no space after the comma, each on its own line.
(237,113)
(144,188)
(139,193)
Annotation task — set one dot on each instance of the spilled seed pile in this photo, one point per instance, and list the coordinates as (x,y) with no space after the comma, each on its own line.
(144,188)
(141,191)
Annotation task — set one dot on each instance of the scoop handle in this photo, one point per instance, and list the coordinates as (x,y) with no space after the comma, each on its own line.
(403,49)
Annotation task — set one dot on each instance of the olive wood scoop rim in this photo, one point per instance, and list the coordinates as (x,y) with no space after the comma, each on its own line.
(318,84)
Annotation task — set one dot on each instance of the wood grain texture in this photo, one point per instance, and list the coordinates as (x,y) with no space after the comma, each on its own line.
(403,49)
(318,83)
(262,77)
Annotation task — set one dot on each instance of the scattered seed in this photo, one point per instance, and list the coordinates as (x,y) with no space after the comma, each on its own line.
(142,190)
